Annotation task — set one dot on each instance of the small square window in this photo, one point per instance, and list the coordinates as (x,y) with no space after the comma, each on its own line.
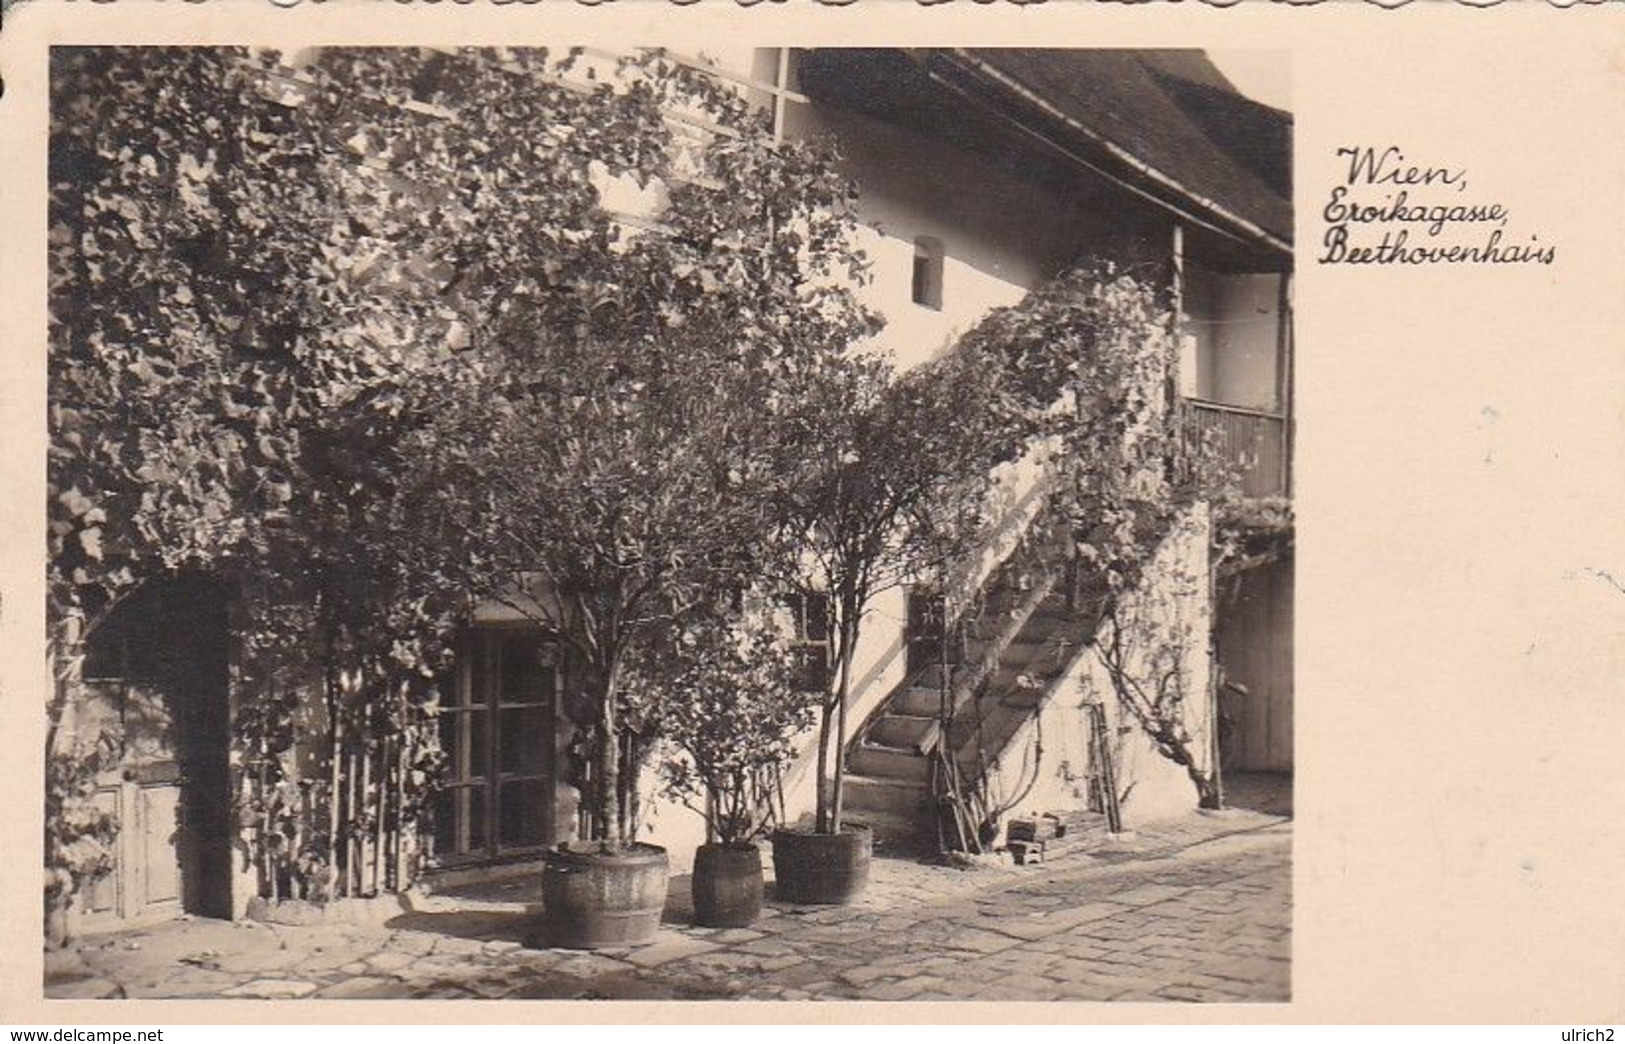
(928,259)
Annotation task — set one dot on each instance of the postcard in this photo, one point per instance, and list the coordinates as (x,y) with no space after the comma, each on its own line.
(1056,513)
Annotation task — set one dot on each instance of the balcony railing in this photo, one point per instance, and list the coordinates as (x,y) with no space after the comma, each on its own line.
(1253,440)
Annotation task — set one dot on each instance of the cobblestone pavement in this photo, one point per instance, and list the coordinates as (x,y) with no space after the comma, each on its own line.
(1194,910)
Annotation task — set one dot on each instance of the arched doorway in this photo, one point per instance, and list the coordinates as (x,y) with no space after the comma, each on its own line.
(154,692)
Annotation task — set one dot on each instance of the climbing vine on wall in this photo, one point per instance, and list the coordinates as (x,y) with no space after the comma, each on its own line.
(1094,355)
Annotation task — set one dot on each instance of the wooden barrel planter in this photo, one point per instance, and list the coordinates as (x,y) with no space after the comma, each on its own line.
(595,899)
(727,885)
(822,868)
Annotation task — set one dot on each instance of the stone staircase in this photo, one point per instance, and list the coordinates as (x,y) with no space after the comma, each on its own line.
(1020,643)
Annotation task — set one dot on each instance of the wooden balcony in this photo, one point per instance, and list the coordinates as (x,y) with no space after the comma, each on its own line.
(1254,440)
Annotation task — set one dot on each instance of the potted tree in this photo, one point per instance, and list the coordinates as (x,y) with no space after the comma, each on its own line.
(894,482)
(600,489)
(731,710)
(610,457)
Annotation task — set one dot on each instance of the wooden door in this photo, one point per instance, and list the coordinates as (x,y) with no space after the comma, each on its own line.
(142,792)
(154,696)
(1254,638)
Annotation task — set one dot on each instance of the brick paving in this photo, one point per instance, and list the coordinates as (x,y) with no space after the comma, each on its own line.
(1193,910)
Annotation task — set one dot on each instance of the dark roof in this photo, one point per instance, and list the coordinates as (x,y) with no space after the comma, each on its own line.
(1171,111)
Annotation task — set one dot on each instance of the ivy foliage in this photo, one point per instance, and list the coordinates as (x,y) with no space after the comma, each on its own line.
(356,332)
(1091,358)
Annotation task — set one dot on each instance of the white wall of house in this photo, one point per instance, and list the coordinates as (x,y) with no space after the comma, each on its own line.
(1000,235)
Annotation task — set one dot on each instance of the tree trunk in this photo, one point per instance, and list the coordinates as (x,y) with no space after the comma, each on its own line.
(1208,794)
(367,865)
(609,769)
(335,758)
(380,828)
(849,639)
(267,863)
(352,861)
(825,720)
(397,827)
(631,753)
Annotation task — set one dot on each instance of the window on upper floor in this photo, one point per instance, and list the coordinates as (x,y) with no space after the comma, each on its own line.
(928,258)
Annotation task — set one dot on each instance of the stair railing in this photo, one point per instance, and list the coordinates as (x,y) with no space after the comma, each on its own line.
(1031,570)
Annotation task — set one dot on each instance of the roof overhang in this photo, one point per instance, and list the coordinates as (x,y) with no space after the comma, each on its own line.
(981,82)
(959,97)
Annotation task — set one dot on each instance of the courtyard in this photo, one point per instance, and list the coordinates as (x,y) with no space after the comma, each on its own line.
(1196,909)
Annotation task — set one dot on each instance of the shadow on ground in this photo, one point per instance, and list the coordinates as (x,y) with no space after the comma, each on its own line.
(1266,792)
(471,924)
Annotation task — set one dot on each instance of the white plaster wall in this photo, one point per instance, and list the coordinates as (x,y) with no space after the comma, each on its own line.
(1161,788)
(667,823)
(1246,364)
(1046,766)
(1001,235)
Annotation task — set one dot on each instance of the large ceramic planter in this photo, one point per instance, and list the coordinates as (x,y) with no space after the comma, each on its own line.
(822,868)
(727,885)
(594,899)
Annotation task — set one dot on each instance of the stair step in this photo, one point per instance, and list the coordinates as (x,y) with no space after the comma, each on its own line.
(885,763)
(865,794)
(898,732)
(1024,653)
(1024,698)
(893,833)
(1046,622)
(917,702)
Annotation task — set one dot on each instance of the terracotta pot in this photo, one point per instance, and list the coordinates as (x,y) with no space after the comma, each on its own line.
(727,885)
(594,900)
(822,868)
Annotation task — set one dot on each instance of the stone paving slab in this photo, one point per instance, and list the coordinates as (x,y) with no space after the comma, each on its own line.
(1195,910)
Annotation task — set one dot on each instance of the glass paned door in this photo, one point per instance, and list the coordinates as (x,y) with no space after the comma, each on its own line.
(497,733)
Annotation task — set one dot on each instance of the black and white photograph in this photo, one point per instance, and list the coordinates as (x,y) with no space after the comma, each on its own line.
(592,523)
